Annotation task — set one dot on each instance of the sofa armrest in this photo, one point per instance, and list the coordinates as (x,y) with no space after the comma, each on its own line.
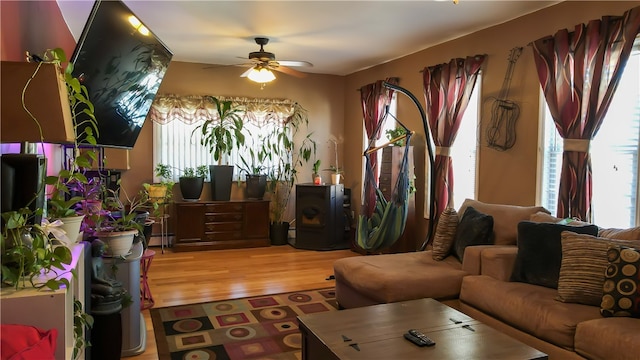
(471,262)
(497,261)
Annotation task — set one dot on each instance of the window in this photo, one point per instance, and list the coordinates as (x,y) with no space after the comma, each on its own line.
(614,156)
(465,149)
(176,145)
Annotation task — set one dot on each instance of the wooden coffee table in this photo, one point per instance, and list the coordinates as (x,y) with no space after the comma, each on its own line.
(376,332)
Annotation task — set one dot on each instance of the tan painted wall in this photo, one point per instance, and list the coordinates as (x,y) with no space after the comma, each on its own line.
(321,95)
(504,177)
(333,101)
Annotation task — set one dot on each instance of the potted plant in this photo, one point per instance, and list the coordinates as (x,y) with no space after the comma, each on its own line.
(162,190)
(119,223)
(221,135)
(396,135)
(336,172)
(192,182)
(62,201)
(255,166)
(156,196)
(315,176)
(27,252)
(290,155)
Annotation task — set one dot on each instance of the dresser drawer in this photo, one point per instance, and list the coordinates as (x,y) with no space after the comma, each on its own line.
(228,207)
(222,217)
(223,226)
(222,235)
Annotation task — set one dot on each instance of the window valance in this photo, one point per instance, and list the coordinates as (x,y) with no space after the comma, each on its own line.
(193,108)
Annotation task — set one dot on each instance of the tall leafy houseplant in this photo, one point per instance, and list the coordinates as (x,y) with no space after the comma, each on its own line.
(291,154)
(221,135)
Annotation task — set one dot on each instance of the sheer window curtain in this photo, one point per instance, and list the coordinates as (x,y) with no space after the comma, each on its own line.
(175,117)
(579,72)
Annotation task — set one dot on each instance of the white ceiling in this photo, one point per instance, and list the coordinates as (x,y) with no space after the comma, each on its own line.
(338,37)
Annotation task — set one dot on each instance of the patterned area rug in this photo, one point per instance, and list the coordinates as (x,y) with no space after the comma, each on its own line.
(262,327)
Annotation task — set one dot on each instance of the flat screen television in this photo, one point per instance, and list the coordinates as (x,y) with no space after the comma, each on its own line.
(122,64)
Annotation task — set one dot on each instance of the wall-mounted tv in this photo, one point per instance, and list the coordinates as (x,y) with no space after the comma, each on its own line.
(122,63)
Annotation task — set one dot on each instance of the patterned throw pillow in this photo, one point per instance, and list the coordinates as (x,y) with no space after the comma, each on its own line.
(622,283)
(445,234)
(475,228)
(584,261)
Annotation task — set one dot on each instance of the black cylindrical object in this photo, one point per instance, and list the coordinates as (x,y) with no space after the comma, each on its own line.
(106,337)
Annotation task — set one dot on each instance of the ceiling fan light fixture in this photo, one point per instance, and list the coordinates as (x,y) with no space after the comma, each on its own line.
(261,75)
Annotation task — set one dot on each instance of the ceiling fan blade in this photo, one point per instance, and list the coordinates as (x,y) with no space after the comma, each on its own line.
(246,73)
(288,71)
(295,63)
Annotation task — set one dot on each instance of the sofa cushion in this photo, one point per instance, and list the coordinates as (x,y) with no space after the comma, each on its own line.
(608,339)
(540,252)
(475,228)
(584,261)
(398,277)
(530,308)
(445,233)
(505,218)
(622,234)
(622,282)
(548,218)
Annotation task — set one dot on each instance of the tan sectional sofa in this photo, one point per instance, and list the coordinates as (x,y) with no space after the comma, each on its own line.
(530,313)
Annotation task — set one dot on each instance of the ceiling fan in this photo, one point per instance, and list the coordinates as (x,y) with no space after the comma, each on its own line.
(262,62)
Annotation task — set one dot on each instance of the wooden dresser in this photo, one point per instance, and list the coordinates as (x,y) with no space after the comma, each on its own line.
(213,225)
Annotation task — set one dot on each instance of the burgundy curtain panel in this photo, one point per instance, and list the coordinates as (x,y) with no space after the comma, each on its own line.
(579,71)
(447,90)
(374,99)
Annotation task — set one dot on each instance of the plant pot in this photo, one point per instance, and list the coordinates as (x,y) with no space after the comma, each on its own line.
(147,232)
(221,179)
(279,233)
(191,188)
(118,242)
(256,186)
(157,191)
(71,225)
(335,178)
(317,179)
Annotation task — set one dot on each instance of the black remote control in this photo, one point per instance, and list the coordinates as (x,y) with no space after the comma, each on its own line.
(424,339)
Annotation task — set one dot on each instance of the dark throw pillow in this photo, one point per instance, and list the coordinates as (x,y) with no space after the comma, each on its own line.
(622,283)
(540,252)
(475,228)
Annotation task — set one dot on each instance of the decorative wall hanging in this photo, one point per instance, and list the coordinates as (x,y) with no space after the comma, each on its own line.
(501,133)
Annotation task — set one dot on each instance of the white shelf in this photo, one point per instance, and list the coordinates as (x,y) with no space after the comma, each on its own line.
(48,309)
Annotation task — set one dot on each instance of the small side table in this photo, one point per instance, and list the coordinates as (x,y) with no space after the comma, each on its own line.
(146,299)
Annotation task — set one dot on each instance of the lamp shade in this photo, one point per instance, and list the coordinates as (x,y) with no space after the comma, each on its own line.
(46,98)
(261,75)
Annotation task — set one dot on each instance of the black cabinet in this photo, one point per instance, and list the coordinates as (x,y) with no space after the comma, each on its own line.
(320,217)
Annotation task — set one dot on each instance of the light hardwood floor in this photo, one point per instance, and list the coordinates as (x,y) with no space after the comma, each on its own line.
(201,276)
